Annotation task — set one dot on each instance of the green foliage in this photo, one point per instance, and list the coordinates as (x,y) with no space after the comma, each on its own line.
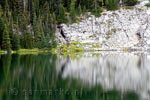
(73,47)
(1,30)
(72,10)
(33,24)
(27,40)
(131,2)
(49,41)
(53,24)
(38,34)
(61,15)
(97,12)
(14,37)
(15,42)
(1,12)
(79,10)
(6,45)
(111,4)
(6,6)
(147,5)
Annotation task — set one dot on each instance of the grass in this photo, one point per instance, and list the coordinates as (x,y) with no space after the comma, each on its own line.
(73,49)
(28,51)
(31,51)
(76,49)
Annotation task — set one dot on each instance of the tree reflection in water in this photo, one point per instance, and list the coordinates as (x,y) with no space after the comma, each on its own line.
(48,77)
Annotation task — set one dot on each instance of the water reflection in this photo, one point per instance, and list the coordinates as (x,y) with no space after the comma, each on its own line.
(86,77)
(123,72)
(26,76)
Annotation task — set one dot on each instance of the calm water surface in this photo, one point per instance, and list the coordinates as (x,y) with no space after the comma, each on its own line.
(90,76)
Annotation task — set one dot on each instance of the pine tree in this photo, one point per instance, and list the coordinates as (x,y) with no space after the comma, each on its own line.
(1,30)
(6,6)
(54,23)
(27,41)
(11,30)
(6,45)
(72,10)
(38,35)
(112,4)
(67,4)
(48,24)
(61,15)
(84,9)
(40,15)
(53,42)
(79,10)
(2,3)
(1,12)
(15,42)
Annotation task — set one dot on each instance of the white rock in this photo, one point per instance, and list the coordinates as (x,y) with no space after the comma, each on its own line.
(117,28)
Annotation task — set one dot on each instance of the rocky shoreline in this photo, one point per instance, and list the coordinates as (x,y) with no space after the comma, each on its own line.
(124,29)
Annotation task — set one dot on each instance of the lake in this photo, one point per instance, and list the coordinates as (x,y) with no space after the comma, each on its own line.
(87,76)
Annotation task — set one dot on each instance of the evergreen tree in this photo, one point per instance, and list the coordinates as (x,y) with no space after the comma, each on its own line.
(54,23)
(48,24)
(61,15)
(72,10)
(6,40)
(15,42)
(112,4)
(1,12)
(2,3)
(38,34)
(84,9)
(67,4)
(1,30)
(11,30)
(79,10)
(27,41)
(6,6)
(41,16)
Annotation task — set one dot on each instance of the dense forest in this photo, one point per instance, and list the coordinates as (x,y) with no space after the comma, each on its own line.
(32,23)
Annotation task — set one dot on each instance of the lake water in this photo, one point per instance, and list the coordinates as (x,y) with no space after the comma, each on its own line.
(88,76)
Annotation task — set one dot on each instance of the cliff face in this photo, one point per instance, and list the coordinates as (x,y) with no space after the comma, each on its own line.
(123,28)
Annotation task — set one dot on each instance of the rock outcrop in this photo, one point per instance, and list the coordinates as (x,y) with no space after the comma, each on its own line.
(127,27)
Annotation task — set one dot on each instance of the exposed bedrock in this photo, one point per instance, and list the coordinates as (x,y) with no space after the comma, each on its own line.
(123,28)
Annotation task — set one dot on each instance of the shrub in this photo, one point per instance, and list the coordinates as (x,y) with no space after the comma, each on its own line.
(147,5)
(111,4)
(130,2)
(97,12)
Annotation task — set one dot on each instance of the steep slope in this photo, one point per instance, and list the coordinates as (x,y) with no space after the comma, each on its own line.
(127,27)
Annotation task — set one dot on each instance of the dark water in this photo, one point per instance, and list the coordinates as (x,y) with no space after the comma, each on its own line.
(86,77)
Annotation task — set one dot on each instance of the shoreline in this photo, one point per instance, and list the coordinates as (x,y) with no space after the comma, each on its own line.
(26,51)
(64,50)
